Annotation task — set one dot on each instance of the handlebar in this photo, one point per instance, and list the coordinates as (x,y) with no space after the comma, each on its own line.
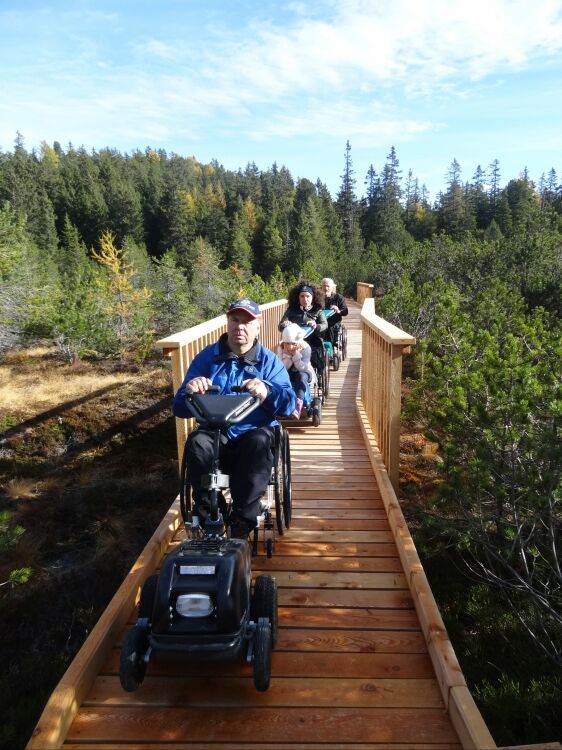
(218,411)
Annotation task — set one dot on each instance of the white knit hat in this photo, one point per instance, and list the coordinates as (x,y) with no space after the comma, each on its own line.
(292,334)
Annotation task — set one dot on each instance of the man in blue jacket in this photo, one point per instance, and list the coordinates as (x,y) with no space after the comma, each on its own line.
(238,359)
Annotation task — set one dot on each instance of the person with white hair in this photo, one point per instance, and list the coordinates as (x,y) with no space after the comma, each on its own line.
(335,302)
(295,354)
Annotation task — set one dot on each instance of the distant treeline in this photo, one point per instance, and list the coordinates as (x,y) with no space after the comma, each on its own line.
(191,235)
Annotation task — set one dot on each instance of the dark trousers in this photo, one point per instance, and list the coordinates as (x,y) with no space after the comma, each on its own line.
(299,382)
(246,459)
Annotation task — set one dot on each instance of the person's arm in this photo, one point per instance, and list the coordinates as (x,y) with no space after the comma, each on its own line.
(342,305)
(281,399)
(321,322)
(285,357)
(284,320)
(198,375)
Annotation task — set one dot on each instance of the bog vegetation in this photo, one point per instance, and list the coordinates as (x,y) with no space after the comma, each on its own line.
(102,252)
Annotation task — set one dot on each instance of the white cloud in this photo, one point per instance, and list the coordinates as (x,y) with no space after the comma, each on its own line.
(373,48)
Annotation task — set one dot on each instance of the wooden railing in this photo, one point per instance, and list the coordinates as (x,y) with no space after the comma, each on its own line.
(381,379)
(183,346)
(363,291)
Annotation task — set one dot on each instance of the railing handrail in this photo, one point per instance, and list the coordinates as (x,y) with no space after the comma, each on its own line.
(381,383)
(207,327)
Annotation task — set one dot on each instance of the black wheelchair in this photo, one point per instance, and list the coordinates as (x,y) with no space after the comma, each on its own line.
(201,604)
(335,343)
(276,506)
(317,394)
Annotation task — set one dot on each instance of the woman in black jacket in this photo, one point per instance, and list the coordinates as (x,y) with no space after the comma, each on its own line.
(306,308)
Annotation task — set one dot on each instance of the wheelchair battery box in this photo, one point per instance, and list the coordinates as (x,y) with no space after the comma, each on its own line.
(203,592)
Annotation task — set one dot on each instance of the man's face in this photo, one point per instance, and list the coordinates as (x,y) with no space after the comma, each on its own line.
(327,289)
(242,330)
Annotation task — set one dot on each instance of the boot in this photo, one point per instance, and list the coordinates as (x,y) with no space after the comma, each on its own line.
(240,529)
(298,409)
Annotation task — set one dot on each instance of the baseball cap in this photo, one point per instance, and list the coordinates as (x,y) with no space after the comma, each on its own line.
(251,307)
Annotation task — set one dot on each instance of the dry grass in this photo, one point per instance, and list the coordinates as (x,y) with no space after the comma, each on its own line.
(23,393)
(20,489)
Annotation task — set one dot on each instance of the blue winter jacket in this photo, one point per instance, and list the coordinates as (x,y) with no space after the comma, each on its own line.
(226,369)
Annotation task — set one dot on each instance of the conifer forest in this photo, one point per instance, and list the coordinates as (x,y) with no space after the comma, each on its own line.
(103,253)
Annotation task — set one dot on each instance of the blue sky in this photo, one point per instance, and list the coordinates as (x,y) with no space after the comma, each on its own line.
(291,82)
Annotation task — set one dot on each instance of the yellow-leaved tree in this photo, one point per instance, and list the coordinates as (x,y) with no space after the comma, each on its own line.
(125,305)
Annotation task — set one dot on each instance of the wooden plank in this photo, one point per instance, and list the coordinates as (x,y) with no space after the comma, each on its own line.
(278,746)
(318,523)
(366,564)
(285,692)
(339,537)
(342,512)
(341,580)
(410,663)
(312,725)
(401,599)
(286,545)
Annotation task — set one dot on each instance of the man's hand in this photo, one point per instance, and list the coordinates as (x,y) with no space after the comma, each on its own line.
(256,388)
(335,308)
(198,385)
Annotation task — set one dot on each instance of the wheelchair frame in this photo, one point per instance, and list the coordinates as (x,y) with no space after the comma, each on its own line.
(278,497)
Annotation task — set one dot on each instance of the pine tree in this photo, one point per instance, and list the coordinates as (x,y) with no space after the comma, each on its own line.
(173,309)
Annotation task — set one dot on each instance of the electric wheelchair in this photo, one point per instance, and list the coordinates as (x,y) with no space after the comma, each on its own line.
(201,605)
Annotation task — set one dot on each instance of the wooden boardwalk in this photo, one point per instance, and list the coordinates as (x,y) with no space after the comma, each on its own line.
(351,669)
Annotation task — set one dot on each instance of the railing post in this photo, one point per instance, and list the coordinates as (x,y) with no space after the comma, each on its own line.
(363,291)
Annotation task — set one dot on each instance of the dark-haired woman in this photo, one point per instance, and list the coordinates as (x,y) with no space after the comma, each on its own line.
(306,308)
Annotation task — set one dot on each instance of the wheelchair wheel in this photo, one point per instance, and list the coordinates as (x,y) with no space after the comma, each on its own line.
(343,343)
(336,362)
(132,666)
(264,603)
(287,480)
(262,656)
(148,594)
(278,474)
(325,381)
(316,412)
(186,494)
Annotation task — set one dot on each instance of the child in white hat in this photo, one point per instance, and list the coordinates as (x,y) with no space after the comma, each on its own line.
(295,354)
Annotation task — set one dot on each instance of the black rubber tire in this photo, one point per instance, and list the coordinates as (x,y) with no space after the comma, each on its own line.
(264,603)
(326,380)
(344,344)
(278,482)
(262,657)
(317,412)
(132,667)
(287,480)
(269,548)
(336,363)
(185,490)
(148,594)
